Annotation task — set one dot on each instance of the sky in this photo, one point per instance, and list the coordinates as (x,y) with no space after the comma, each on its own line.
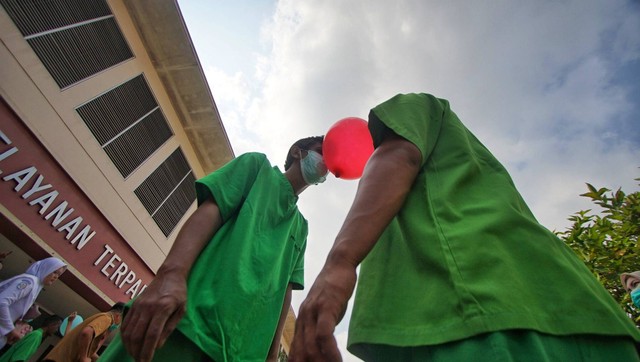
(552,88)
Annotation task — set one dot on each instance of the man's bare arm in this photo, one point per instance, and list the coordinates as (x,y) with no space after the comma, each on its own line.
(386,181)
(83,343)
(157,311)
(275,344)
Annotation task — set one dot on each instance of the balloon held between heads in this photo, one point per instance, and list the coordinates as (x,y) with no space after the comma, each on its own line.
(347,147)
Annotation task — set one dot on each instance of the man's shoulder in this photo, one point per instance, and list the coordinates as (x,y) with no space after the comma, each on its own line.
(418,99)
(254,155)
(102,315)
(98,318)
(253,158)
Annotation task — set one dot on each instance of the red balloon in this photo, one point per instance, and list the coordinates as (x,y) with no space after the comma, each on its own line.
(347,147)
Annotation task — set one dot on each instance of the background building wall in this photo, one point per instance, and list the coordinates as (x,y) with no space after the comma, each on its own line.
(51,114)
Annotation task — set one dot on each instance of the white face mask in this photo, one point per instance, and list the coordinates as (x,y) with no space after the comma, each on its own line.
(314,171)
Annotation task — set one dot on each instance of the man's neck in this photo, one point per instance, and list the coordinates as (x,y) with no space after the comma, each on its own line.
(297,182)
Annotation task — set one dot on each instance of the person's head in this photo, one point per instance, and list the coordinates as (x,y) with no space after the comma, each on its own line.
(51,324)
(117,310)
(630,281)
(309,152)
(303,144)
(47,270)
(23,327)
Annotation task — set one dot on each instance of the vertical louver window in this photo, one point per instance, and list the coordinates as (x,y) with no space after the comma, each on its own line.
(74,39)
(168,192)
(127,123)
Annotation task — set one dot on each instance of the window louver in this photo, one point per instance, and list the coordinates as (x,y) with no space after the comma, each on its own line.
(127,123)
(168,192)
(74,39)
(37,16)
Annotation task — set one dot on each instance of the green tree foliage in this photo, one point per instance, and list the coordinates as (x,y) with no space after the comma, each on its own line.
(607,242)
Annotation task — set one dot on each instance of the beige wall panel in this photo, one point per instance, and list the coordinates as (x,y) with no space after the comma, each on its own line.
(20,89)
(186,103)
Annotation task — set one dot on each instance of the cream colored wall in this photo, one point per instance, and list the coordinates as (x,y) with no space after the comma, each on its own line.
(50,113)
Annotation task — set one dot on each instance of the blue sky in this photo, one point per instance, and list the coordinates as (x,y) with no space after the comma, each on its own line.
(552,88)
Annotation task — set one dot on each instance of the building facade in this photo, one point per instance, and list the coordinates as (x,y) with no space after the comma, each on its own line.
(106,121)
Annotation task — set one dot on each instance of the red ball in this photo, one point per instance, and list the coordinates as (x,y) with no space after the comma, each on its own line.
(347,147)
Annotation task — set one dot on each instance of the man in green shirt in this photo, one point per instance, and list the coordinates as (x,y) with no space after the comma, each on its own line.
(28,345)
(454,266)
(226,283)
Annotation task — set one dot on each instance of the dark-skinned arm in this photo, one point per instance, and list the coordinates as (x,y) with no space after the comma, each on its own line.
(386,181)
(83,343)
(275,344)
(157,311)
(100,341)
(70,320)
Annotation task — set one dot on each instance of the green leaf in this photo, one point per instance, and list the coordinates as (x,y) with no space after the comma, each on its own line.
(607,242)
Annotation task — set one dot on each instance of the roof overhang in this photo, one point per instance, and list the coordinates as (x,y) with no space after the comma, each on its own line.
(165,36)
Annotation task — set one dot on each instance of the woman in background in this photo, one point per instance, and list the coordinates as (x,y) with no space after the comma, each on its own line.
(18,294)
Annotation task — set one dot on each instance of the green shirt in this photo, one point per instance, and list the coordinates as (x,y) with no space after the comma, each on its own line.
(465,255)
(237,286)
(24,348)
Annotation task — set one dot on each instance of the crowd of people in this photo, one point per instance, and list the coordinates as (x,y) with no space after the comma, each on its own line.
(453,265)
(18,309)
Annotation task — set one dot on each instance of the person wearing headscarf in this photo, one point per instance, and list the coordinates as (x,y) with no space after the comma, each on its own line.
(18,294)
